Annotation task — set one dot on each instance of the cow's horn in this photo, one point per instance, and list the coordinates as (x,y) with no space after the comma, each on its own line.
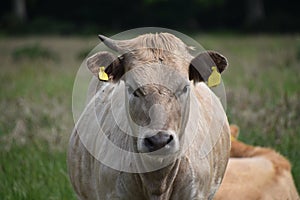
(113,44)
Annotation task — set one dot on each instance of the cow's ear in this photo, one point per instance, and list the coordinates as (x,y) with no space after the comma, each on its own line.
(234,130)
(201,66)
(106,63)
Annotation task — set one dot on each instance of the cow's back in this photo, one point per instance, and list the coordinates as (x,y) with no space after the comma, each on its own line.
(256,173)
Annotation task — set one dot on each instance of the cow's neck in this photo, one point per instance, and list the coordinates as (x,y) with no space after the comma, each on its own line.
(158,184)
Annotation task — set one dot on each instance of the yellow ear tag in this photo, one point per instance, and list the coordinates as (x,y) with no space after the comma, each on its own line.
(102,74)
(215,78)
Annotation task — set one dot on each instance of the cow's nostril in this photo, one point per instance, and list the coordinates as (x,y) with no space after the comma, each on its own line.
(158,141)
(148,142)
(170,139)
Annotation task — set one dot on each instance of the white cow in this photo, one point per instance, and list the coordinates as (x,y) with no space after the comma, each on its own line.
(155,130)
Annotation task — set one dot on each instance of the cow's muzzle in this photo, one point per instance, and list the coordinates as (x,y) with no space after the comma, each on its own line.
(163,142)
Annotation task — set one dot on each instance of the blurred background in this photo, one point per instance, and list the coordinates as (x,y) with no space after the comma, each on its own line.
(43,43)
(78,17)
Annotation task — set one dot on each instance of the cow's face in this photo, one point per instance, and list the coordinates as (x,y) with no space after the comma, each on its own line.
(157,82)
(157,99)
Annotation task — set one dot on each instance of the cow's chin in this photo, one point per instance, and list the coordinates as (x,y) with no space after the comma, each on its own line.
(152,146)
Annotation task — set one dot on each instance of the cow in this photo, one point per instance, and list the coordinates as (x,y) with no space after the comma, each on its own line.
(152,129)
(256,173)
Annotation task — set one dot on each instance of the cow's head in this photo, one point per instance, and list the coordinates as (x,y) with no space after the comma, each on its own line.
(157,70)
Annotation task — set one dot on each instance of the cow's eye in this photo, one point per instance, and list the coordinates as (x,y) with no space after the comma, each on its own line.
(129,89)
(138,93)
(182,91)
(185,89)
(135,93)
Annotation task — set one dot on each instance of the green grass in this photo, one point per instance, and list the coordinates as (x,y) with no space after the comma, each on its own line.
(33,52)
(262,86)
(34,171)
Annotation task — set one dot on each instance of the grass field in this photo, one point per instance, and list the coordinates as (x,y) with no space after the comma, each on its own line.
(36,80)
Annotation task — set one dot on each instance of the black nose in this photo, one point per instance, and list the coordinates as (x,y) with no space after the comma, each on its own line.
(158,141)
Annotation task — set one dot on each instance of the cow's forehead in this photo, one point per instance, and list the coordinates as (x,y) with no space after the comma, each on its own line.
(150,48)
(156,74)
(178,61)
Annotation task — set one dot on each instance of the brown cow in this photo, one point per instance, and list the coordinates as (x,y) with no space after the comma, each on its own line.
(256,173)
(154,131)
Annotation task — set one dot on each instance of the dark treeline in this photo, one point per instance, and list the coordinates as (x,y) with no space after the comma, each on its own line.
(77,16)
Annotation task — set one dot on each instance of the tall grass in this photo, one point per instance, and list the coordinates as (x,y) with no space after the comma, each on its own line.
(262,85)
